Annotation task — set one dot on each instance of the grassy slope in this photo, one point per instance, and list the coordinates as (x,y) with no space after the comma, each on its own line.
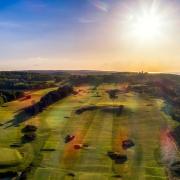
(12,135)
(103,132)
(10,157)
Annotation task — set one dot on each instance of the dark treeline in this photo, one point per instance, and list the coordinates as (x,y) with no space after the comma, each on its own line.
(45,101)
(24,76)
(21,80)
(9,95)
(49,99)
(99,79)
(13,83)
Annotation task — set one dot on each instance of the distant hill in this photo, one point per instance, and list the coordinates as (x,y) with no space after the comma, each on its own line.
(73,72)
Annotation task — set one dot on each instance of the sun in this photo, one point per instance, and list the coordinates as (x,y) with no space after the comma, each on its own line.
(147,23)
(147,26)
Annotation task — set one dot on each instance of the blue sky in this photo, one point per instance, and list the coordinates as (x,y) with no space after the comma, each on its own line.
(65,34)
(43,29)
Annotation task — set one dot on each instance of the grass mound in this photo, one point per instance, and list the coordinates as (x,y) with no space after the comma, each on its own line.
(9,157)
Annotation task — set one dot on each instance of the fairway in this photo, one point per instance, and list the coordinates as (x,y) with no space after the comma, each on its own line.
(142,121)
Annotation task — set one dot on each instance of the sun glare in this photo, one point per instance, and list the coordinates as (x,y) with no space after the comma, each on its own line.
(147,23)
(147,26)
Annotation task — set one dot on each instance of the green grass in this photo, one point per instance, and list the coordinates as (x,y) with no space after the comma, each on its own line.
(10,157)
(102,132)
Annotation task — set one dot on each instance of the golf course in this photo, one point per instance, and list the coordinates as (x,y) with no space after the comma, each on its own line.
(97,132)
(89,90)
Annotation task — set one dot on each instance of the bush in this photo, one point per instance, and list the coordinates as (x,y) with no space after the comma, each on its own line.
(29,128)
(28,137)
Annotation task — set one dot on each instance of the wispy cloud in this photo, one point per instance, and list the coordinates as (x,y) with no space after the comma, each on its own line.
(100,5)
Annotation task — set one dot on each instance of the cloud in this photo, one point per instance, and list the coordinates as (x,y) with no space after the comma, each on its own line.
(100,5)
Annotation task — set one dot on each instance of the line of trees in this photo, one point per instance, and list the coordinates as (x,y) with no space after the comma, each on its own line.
(6,96)
(49,99)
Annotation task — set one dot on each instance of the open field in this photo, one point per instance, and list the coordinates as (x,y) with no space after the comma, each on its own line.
(142,121)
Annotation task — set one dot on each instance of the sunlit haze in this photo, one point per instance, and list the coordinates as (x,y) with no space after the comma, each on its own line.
(131,35)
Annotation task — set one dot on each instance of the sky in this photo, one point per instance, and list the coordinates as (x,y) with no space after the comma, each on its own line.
(90,35)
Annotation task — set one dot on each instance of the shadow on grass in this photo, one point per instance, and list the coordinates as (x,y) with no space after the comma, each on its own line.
(8,175)
(45,101)
(17,120)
